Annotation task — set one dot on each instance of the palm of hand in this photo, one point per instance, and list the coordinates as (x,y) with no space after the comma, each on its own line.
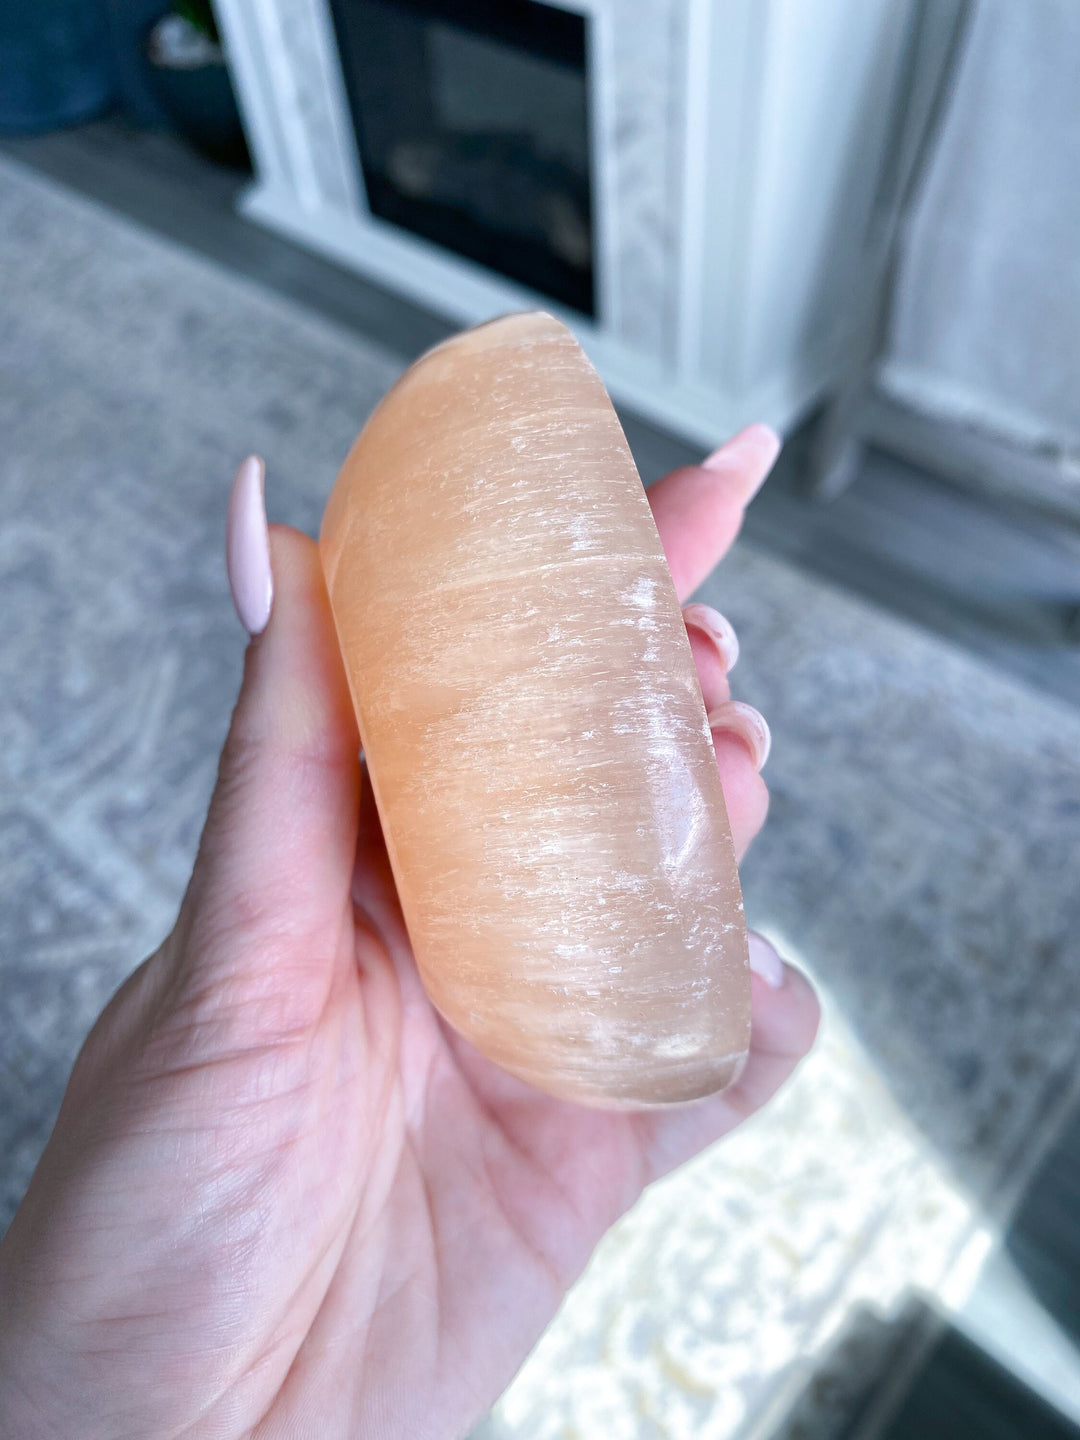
(282,1197)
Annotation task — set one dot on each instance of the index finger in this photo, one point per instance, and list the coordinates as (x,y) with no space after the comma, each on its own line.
(698,509)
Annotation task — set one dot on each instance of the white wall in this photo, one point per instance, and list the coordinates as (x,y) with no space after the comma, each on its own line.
(988,319)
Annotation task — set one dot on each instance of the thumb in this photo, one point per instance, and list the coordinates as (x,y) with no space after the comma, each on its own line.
(279,845)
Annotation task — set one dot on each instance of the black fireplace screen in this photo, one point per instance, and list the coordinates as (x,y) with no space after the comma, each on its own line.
(472,120)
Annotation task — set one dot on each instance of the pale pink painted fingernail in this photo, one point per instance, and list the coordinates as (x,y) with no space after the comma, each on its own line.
(761,438)
(715,627)
(735,717)
(764,961)
(247,547)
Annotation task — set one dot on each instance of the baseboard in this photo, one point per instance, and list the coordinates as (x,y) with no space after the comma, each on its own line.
(468,294)
(974,456)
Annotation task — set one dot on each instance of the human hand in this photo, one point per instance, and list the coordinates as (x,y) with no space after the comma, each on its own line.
(282,1198)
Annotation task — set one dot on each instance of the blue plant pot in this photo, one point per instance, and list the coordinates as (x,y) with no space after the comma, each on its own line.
(56,68)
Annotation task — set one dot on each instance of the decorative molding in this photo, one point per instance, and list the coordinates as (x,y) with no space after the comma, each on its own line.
(602,119)
(722,85)
(332,108)
(972,449)
(287,68)
(469,294)
(718,294)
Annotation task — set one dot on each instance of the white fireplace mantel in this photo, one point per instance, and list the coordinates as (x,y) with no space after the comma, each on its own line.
(736,149)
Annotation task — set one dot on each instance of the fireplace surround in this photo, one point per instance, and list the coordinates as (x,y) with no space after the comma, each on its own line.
(472,124)
(686,182)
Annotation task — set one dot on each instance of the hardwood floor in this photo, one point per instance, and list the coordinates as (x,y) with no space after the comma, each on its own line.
(1044,1237)
(962,1394)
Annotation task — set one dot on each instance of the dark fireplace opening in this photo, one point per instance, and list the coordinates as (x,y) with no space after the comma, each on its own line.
(472,121)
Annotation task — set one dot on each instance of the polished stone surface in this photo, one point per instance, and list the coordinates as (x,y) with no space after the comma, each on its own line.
(534,726)
(921,855)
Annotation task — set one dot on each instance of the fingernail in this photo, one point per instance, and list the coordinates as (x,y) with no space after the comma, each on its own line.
(762,438)
(764,961)
(247,547)
(715,627)
(736,718)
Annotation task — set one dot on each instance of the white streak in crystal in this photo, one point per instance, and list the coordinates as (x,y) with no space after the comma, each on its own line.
(678,1047)
(643,593)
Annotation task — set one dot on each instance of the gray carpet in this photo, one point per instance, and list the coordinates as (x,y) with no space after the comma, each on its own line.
(922,854)
(134,378)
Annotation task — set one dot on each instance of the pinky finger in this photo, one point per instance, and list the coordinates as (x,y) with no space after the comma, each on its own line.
(784,1024)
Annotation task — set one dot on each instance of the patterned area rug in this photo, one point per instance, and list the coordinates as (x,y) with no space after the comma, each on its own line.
(921,859)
